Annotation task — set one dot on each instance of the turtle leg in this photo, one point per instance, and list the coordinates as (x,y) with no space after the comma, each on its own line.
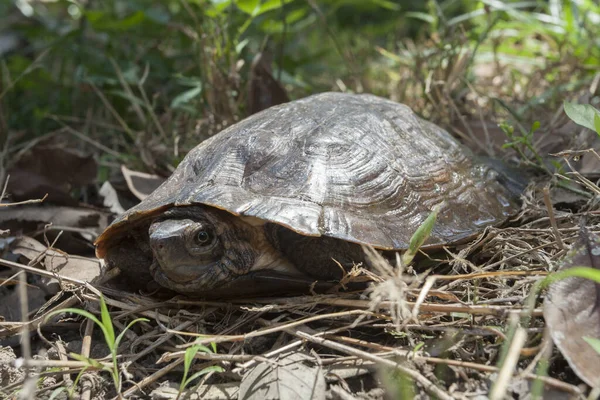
(318,257)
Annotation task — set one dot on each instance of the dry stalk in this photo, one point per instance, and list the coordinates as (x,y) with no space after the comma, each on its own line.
(510,362)
(427,385)
(86,345)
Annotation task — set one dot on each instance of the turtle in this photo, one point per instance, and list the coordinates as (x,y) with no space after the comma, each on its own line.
(289,195)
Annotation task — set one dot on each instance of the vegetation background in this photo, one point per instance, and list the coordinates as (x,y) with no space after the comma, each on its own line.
(141,82)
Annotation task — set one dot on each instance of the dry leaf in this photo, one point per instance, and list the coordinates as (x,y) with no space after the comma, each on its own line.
(140,183)
(264,90)
(89,220)
(572,310)
(215,391)
(81,268)
(290,377)
(53,169)
(111,198)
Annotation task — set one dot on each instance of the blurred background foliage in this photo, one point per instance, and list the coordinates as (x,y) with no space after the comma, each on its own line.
(143,81)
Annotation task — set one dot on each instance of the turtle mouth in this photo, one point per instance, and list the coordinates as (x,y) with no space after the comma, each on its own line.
(181,273)
(189,278)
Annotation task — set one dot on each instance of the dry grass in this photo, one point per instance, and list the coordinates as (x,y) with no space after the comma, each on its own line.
(443,328)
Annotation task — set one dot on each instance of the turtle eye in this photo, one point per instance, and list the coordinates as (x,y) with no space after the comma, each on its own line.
(203,237)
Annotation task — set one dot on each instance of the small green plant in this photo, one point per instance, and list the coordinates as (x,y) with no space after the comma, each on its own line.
(523,142)
(70,390)
(417,348)
(187,363)
(112,342)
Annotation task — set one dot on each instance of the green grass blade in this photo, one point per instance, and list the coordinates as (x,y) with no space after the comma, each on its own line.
(420,236)
(120,337)
(214,368)
(109,331)
(87,360)
(81,312)
(580,272)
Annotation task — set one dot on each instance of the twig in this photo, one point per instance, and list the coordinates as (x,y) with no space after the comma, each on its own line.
(47,274)
(294,344)
(34,64)
(62,355)
(152,378)
(57,364)
(24,303)
(134,105)
(86,344)
(94,143)
(510,362)
(19,203)
(114,112)
(553,224)
(428,307)
(261,332)
(427,385)
(4,188)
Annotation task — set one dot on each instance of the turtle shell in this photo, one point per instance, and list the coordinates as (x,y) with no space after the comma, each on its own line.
(354,167)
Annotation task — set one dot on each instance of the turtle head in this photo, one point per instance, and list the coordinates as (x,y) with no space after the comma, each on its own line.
(203,251)
(199,248)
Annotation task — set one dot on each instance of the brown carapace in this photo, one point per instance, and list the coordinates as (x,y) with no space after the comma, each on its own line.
(330,171)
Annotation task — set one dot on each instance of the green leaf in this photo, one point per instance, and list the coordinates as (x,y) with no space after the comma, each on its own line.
(430,19)
(90,361)
(387,4)
(418,347)
(581,114)
(597,123)
(102,21)
(81,312)
(507,128)
(185,97)
(535,126)
(214,368)
(595,343)
(420,236)
(580,272)
(109,331)
(269,5)
(188,358)
(129,325)
(218,7)
(248,6)
(254,8)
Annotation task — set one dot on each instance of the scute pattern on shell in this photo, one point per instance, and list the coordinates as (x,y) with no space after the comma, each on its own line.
(354,167)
